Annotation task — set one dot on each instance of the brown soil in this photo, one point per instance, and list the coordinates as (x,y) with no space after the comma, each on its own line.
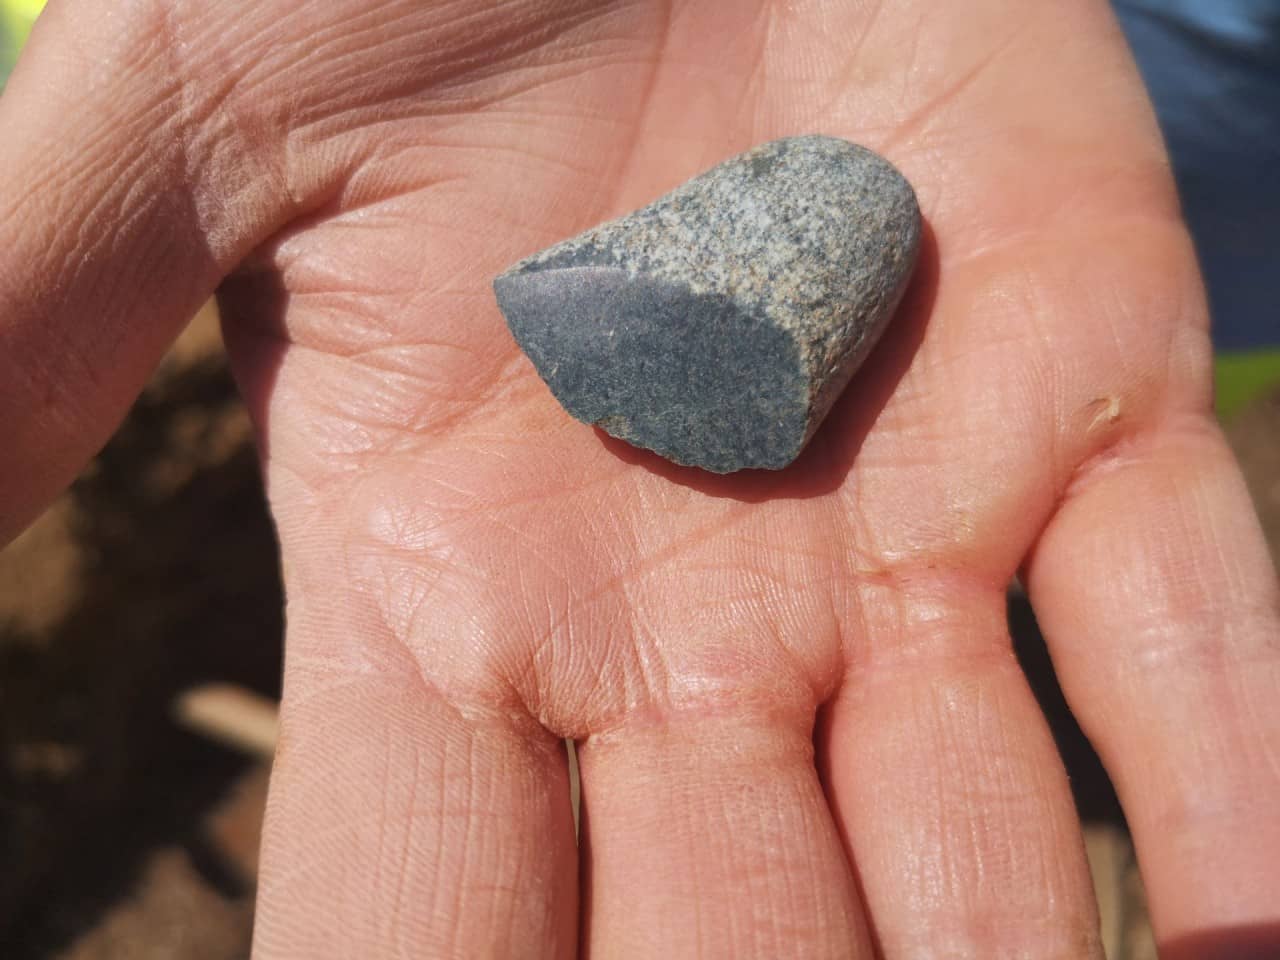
(155,573)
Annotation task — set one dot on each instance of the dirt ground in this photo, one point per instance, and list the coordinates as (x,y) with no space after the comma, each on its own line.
(125,835)
(122,834)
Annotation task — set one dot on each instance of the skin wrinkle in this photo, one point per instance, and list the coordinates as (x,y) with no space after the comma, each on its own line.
(464,69)
(727,810)
(186,120)
(981,927)
(486,705)
(318,206)
(58,179)
(847,78)
(913,126)
(215,145)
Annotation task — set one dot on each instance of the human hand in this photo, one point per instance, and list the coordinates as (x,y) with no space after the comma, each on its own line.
(472,576)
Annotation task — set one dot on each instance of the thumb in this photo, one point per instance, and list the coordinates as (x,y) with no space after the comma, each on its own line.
(124,199)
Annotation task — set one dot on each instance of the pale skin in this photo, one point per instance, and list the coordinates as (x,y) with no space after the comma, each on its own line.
(801,727)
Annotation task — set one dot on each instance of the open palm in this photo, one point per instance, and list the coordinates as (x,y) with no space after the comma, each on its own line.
(801,727)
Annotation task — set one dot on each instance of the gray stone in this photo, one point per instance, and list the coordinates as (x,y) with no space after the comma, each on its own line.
(718,325)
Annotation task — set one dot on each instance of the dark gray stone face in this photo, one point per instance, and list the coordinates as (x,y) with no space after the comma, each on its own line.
(718,325)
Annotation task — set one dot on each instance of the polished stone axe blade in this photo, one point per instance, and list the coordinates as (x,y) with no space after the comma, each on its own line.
(718,325)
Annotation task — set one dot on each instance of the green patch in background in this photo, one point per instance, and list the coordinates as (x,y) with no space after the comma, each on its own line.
(16,18)
(1239,377)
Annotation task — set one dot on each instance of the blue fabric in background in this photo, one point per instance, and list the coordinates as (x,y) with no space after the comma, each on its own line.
(1213,70)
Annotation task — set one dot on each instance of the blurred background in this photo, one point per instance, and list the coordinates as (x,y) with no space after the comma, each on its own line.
(141,617)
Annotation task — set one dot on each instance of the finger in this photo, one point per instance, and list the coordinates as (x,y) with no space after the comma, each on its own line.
(113,230)
(949,790)
(1158,600)
(708,836)
(403,825)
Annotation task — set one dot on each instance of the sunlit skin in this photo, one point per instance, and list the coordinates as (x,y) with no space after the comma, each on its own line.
(801,726)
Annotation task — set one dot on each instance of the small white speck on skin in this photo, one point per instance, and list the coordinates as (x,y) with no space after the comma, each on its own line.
(1109,412)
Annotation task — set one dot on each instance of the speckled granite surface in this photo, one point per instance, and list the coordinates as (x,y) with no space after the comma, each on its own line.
(718,325)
